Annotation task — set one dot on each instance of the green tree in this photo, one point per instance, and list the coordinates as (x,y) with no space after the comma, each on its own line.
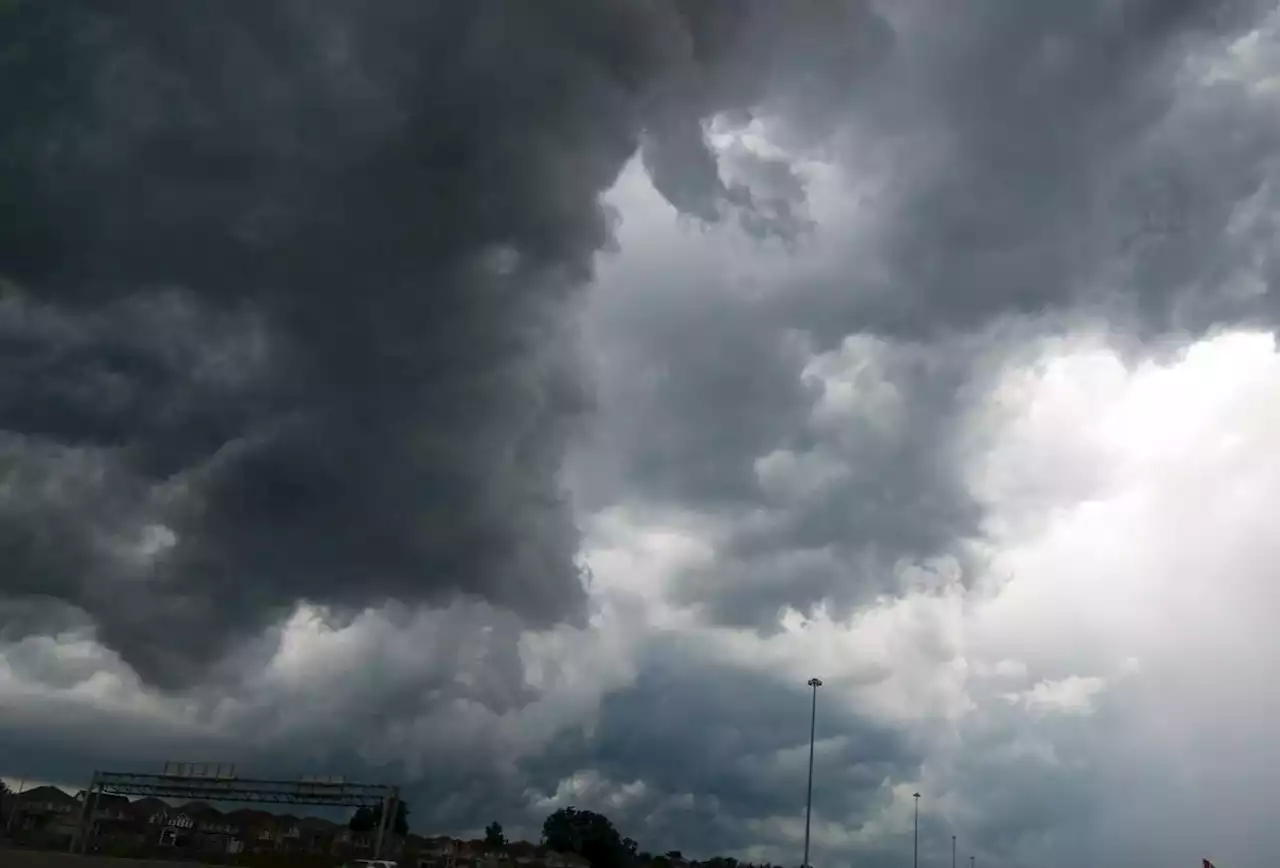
(368,819)
(494,838)
(588,834)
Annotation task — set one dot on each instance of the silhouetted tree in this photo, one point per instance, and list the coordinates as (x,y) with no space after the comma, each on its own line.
(368,819)
(494,838)
(588,834)
(362,820)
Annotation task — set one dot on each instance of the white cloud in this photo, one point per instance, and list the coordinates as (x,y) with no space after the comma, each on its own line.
(1145,593)
(1074,694)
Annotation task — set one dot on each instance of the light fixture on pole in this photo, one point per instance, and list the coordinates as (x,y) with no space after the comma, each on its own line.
(815,683)
(971,862)
(915,849)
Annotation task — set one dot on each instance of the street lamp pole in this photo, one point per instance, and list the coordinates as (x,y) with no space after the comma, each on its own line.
(915,851)
(953,851)
(815,683)
(971,863)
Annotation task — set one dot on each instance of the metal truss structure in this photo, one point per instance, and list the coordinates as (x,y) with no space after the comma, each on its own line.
(202,782)
(196,789)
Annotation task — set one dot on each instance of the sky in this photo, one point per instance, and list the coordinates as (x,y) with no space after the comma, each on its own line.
(519,403)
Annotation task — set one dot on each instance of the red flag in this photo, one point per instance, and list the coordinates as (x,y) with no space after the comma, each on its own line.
(1207,863)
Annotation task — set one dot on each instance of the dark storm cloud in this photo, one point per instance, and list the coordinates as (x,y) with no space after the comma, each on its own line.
(716,747)
(1045,144)
(1031,165)
(292,280)
(396,202)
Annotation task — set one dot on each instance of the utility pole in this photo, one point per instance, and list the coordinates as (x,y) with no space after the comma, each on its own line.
(953,851)
(13,811)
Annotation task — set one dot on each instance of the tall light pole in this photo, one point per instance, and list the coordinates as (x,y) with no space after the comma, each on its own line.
(953,851)
(815,683)
(915,849)
(971,862)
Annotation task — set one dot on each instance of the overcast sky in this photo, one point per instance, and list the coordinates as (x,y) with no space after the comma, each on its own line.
(519,402)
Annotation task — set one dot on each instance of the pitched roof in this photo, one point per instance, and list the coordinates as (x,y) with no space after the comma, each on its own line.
(149,806)
(201,810)
(55,795)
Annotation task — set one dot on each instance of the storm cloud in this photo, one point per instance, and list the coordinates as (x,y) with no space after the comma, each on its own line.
(519,402)
(1006,174)
(290,292)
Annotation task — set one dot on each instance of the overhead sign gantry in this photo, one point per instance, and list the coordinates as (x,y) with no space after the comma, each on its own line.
(219,782)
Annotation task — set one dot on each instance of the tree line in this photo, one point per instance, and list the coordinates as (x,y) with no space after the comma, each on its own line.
(593,837)
(566,830)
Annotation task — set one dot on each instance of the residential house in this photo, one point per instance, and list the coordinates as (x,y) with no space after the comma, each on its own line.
(438,852)
(470,854)
(353,844)
(144,809)
(523,853)
(318,835)
(177,829)
(257,829)
(112,817)
(214,831)
(553,859)
(496,858)
(109,808)
(47,810)
(288,833)
(411,853)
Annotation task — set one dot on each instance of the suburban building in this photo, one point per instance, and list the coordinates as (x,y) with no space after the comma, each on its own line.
(43,813)
(150,827)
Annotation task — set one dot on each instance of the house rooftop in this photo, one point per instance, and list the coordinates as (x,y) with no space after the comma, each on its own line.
(47,793)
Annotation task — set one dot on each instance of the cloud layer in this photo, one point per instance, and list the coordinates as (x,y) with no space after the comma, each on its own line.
(521,402)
